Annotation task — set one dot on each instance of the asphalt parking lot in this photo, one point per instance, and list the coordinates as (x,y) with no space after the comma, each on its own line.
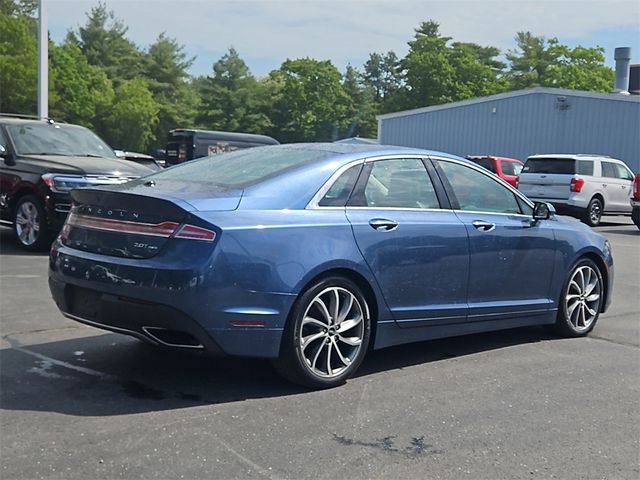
(81,403)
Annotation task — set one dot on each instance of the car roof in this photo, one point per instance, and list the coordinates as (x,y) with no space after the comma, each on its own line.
(372,150)
(571,156)
(492,157)
(10,120)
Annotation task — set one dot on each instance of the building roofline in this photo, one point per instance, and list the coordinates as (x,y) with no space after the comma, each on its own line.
(515,93)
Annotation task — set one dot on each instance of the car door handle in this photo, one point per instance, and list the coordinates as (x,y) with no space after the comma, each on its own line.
(483,226)
(383,224)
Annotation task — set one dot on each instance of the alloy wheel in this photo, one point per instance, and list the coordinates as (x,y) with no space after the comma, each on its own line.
(331,332)
(583,297)
(27,223)
(595,212)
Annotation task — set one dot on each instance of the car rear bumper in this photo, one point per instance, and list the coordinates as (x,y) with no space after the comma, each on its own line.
(179,309)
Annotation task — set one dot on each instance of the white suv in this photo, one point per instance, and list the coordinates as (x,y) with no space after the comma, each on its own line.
(586,186)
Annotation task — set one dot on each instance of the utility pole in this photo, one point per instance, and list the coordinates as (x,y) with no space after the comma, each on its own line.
(43,60)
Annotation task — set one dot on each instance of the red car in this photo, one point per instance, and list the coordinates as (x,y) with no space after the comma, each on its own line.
(506,168)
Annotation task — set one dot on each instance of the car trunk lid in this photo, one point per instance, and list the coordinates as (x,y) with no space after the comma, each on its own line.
(137,221)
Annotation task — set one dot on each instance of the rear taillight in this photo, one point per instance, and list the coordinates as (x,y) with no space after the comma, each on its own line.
(517,183)
(196,233)
(636,186)
(164,229)
(576,184)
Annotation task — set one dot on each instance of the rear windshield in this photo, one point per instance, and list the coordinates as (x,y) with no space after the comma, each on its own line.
(550,165)
(486,163)
(242,167)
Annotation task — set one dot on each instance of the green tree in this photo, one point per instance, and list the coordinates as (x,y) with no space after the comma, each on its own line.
(529,60)
(313,105)
(166,70)
(232,98)
(362,108)
(130,121)
(579,68)
(19,8)
(82,91)
(104,43)
(437,71)
(18,64)
(382,74)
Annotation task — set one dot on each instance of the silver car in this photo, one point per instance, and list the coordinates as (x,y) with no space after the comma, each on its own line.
(586,186)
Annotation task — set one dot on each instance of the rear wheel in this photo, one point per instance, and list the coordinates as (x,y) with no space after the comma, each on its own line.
(30,224)
(581,300)
(327,335)
(593,213)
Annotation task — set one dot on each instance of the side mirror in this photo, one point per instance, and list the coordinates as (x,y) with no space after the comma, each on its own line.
(3,151)
(543,211)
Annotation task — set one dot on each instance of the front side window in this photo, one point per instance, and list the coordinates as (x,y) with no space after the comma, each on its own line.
(401,183)
(609,170)
(623,172)
(478,192)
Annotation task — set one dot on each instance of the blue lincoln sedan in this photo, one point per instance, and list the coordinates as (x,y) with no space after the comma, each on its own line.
(312,254)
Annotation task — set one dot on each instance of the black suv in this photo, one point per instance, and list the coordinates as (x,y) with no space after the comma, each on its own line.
(40,162)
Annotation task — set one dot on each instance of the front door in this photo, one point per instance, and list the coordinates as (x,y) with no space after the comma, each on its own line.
(417,251)
(511,256)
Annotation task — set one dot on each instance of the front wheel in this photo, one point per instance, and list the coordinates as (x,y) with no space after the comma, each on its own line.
(30,224)
(327,336)
(593,214)
(581,300)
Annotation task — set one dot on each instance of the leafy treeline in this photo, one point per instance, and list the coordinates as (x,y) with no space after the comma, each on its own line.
(131,96)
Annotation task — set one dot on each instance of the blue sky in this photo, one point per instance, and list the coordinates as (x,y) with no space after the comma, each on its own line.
(266,32)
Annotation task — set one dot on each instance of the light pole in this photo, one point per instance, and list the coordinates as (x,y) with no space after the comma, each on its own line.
(43,60)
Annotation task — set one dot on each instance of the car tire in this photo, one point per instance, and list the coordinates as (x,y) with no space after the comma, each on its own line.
(635,216)
(581,300)
(326,336)
(593,214)
(30,224)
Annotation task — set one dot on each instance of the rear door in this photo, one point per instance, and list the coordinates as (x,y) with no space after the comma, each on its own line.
(547,178)
(511,257)
(416,249)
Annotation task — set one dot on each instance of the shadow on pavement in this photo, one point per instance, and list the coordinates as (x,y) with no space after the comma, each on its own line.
(114,375)
(9,245)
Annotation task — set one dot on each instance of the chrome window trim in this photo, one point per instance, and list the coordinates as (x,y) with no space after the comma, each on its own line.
(492,176)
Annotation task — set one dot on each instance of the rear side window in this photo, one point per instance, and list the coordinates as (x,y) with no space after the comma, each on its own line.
(339,192)
(510,168)
(563,166)
(584,167)
(399,183)
(609,170)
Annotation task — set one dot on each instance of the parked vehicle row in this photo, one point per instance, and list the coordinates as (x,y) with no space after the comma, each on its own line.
(313,254)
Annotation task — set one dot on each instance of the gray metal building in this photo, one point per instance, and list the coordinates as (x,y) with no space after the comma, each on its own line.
(522,123)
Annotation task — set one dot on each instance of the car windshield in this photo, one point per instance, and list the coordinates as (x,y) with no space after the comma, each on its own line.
(242,167)
(57,139)
(550,165)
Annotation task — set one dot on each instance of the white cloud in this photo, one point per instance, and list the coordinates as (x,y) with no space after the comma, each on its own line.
(346,30)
